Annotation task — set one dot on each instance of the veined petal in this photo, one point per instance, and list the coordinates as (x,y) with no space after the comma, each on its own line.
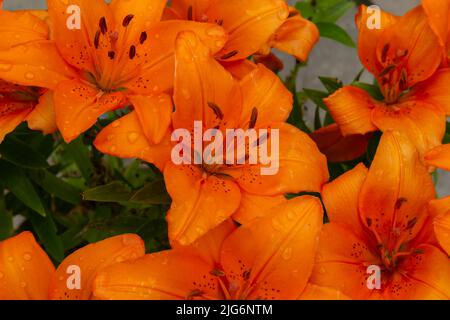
(351,108)
(34,64)
(272,257)
(369,36)
(78,105)
(77,45)
(442,230)
(434,90)
(90,260)
(410,43)
(125,138)
(42,117)
(296,36)
(155,115)
(200,81)
(199,203)
(342,260)
(25,269)
(249,23)
(263,90)
(21,27)
(156,63)
(340,198)
(339,148)
(393,199)
(301,166)
(423,123)
(169,275)
(439,157)
(422,276)
(253,207)
(239,69)
(438,18)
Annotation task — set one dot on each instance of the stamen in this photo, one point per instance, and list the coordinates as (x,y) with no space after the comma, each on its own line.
(253,118)
(216,109)
(111,54)
(194,293)
(97,39)
(190,13)
(387,70)
(229,55)
(127,20)
(411,223)
(400,202)
(384,52)
(403,80)
(103,26)
(132,53)
(217,273)
(143,37)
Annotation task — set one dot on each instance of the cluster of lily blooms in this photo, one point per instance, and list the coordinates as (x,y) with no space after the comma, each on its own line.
(173,65)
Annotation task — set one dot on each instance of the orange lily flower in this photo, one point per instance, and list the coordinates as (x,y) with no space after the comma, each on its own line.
(121,55)
(270,258)
(438,13)
(439,157)
(379,217)
(254,26)
(26,271)
(203,196)
(403,56)
(440,212)
(23,35)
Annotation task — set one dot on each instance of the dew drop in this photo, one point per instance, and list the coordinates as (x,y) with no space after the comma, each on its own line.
(2,275)
(26,256)
(5,66)
(133,137)
(115,124)
(287,254)
(29,76)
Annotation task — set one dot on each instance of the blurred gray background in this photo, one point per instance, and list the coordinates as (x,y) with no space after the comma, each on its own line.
(328,58)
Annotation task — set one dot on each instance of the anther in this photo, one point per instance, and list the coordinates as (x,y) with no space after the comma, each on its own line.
(387,70)
(97,39)
(126,21)
(384,52)
(132,52)
(190,13)
(216,109)
(253,118)
(229,55)
(103,26)
(143,37)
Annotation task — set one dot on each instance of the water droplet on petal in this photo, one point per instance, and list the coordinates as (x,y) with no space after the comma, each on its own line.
(29,76)
(287,254)
(26,256)
(116,124)
(5,66)
(2,275)
(133,137)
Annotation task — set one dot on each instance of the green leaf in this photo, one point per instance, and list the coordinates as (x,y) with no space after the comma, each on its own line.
(372,89)
(6,219)
(335,32)
(317,121)
(331,84)
(46,231)
(306,9)
(333,11)
(18,183)
(55,186)
(317,97)
(21,154)
(80,154)
(112,192)
(152,193)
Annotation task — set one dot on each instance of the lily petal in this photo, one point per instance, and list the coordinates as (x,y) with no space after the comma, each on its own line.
(42,117)
(125,138)
(272,257)
(199,203)
(394,196)
(25,269)
(351,108)
(439,157)
(90,260)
